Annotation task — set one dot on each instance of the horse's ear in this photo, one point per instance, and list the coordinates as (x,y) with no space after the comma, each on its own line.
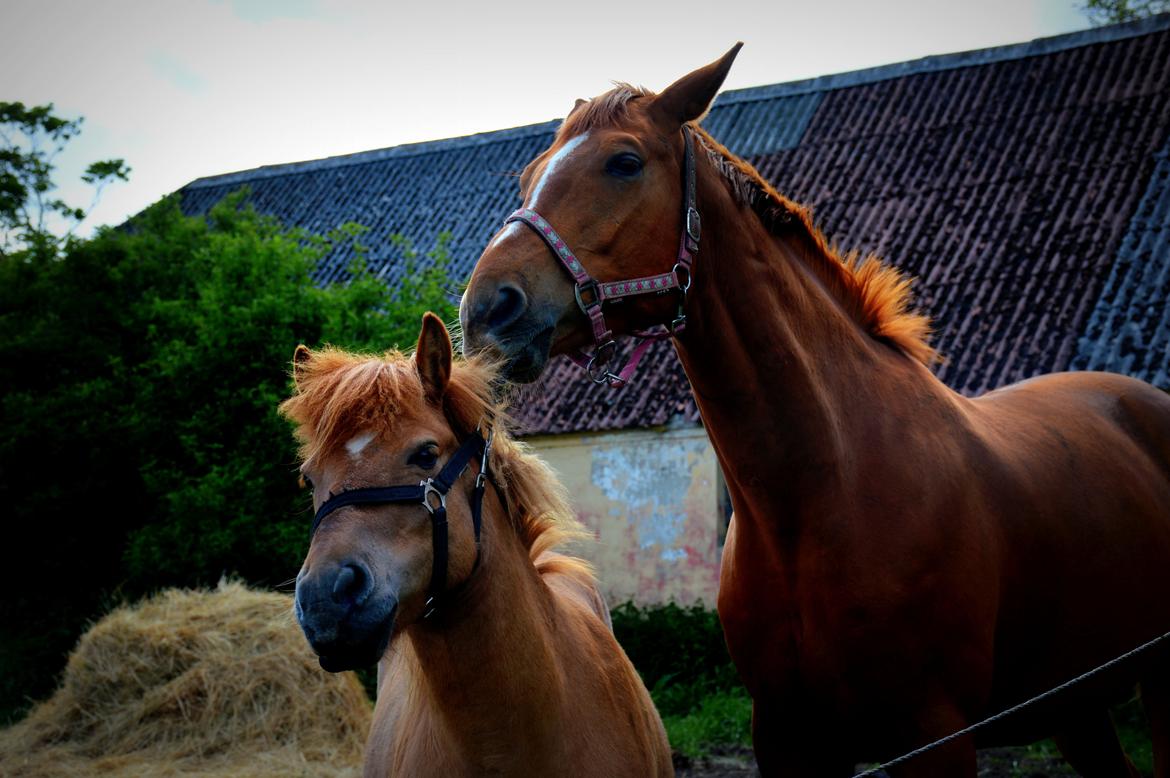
(576,107)
(301,357)
(689,98)
(433,357)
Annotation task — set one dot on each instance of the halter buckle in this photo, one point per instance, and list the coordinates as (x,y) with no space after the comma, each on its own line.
(429,489)
(686,272)
(590,287)
(429,608)
(483,463)
(694,223)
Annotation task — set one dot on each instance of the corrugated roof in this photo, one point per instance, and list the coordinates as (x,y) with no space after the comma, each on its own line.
(1028,187)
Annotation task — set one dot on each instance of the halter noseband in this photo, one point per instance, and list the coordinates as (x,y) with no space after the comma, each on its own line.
(592,294)
(432,495)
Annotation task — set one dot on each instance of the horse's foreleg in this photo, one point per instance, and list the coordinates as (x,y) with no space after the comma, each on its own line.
(1089,743)
(1156,700)
(955,758)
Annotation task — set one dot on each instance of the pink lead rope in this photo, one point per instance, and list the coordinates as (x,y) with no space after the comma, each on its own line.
(592,294)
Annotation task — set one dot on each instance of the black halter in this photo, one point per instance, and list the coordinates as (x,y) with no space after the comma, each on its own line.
(432,495)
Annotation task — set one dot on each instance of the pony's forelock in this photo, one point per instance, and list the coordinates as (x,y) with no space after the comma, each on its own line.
(339,394)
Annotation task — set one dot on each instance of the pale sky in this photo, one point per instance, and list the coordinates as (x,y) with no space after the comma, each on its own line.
(200,87)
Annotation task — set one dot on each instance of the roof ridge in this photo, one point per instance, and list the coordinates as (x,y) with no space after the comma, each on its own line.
(374,155)
(928,64)
(934,63)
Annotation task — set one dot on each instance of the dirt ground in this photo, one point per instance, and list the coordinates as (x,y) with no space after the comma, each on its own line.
(993,763)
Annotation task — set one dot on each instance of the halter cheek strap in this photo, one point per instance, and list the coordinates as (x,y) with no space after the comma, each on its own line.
(432,495)
(592,295)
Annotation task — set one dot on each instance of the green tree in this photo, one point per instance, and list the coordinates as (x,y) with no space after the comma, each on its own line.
(1113,11)
(139,440)
(31,138)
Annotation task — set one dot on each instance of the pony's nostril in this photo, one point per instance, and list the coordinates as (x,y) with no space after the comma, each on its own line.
(509,304)
(351,585)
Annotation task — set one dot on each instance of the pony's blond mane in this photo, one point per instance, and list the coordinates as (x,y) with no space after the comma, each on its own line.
(340,394)
(876,295)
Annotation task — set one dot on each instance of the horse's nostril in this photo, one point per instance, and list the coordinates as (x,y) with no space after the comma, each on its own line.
(351,585)
(508,306)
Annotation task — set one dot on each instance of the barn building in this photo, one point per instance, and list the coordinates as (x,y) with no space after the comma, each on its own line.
(1027,187)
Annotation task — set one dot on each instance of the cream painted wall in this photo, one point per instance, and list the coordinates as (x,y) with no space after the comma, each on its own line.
(651,498)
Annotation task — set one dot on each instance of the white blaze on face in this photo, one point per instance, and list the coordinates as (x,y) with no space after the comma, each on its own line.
(550,169)
(557,161)
(502,235)
(355,445)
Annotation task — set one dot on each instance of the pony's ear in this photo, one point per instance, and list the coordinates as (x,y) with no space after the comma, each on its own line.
(301,357)
(433,357)
(689,98)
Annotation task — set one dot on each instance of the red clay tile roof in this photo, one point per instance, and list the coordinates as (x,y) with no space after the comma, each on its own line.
(1028,187)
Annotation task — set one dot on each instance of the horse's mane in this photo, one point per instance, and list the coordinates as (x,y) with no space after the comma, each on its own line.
(340,395)
(878,296)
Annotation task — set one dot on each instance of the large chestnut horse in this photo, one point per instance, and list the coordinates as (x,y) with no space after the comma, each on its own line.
(495,655)
(903,560)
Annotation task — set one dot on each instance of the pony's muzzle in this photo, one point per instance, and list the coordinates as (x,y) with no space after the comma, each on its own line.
(344,623)
(352,585)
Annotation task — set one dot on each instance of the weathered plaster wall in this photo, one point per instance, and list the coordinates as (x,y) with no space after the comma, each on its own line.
(651,498)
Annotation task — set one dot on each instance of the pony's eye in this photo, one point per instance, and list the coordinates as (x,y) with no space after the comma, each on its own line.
(426,457)
(306,482)
(624,165)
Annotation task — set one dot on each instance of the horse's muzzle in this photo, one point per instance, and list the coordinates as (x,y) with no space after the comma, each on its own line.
(345,620)
(520,337)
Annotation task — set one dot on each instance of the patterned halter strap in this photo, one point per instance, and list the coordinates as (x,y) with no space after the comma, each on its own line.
(592,295)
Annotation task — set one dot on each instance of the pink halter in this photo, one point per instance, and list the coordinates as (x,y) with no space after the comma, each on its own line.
(592,294)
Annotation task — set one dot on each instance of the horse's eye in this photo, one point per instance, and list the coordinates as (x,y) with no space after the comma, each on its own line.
(624,165)
(426,457)
(306,482)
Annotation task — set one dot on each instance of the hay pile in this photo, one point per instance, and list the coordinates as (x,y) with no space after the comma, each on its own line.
(190,683)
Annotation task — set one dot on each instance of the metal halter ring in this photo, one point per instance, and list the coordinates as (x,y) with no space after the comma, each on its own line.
(596,369)
(429,488)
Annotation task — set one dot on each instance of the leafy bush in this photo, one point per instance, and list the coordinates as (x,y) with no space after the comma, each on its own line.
(679,652)
(683,660)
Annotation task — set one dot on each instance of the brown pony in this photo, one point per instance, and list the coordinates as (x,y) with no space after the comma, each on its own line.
(517,671)
(903,561)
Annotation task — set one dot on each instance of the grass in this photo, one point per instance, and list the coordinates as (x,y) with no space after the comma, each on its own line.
(1134,731)
(720,719)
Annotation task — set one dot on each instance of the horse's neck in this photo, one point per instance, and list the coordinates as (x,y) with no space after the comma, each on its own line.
(487,660)
(787,382)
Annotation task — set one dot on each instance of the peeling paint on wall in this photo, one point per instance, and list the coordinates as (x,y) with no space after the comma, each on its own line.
(652,478)
(651,499)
